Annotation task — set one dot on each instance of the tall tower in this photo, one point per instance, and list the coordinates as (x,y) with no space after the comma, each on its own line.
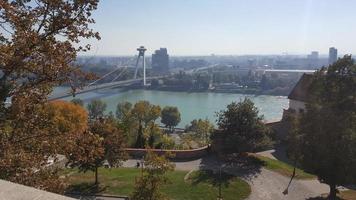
(141,52)
(332,55)
(160,61)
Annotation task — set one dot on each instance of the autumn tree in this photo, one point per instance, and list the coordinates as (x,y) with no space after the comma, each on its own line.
(153,129)
(96,109)
(170,116)
(140,120)
(123,110)
(86,159)
(201,129)
(114,143)
(148,186)
(39,41)
(68,117)
(241,128)
(108,144)
(326,132)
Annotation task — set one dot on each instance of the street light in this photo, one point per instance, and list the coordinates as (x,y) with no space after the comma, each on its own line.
(142,162)
(220,179)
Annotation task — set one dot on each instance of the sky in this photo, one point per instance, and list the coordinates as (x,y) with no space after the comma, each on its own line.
(225,27)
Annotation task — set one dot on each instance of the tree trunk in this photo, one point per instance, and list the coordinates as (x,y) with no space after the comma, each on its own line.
(96,176)
(332,194)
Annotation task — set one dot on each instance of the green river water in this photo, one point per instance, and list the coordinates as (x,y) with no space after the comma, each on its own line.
(191,105)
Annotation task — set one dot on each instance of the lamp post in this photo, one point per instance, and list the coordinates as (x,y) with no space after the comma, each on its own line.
(220,179)
(142,162)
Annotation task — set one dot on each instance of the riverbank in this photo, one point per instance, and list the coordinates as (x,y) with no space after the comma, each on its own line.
(248,91)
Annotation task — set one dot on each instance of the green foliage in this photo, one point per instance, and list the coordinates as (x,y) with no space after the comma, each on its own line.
(201,130)
(327,131)
(96,109)
(170,116)
(139,121)
(149,185)
(241,128)
(123,110)
(165,142)
(114,140)
(77,101)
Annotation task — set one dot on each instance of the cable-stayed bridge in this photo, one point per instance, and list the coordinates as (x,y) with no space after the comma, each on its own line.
(109,85)
(113,83)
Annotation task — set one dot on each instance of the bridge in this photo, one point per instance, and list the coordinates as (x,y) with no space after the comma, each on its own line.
(90,88)
(112,84)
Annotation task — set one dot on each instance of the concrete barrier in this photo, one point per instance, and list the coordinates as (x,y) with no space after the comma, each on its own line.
(179,154)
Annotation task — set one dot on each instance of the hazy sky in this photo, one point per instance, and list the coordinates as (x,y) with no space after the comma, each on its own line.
(228,27)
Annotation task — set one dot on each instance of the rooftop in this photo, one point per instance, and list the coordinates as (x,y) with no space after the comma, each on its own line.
(300,90)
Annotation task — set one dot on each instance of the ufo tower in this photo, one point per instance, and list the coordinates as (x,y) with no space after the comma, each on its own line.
(141,53)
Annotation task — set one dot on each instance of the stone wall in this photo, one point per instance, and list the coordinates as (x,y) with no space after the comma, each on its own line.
(279,128)
(179,154)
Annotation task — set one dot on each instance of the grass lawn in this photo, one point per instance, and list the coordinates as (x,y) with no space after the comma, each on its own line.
(199,185)
(283,168)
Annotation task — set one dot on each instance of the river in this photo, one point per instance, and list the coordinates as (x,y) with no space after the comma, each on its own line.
(191,105)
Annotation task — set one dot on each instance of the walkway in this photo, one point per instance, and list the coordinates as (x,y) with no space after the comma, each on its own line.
(265,184)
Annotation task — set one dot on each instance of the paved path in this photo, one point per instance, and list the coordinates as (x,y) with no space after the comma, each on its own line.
(265,184)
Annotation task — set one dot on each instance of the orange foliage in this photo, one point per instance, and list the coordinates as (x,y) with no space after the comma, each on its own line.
(69,117)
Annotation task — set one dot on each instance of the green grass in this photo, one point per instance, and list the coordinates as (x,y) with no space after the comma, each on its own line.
(199,185)
(284,168)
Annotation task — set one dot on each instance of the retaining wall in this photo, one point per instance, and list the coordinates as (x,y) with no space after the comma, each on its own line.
(179,154)
(280,128)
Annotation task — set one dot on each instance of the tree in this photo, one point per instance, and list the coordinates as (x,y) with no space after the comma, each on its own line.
(113,141)
(146,115)
(39,41)
(153,177)
(77,101)
(201,129)
(87,158)
(153,114)
(123,110)
(327,130)
(139,112)
(170,116)
(109,142)
(96,109)
(242,128)
(82,148)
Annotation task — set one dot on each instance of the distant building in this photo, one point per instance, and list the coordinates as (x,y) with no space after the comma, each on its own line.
(313,60)
(314,55)
(160,61)
(332,55)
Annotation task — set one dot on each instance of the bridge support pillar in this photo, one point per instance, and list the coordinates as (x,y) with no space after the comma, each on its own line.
(141,53)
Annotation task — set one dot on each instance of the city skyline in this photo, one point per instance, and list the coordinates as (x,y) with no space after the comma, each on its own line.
(224,27)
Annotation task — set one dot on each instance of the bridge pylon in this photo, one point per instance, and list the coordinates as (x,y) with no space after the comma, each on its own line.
(141,53)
